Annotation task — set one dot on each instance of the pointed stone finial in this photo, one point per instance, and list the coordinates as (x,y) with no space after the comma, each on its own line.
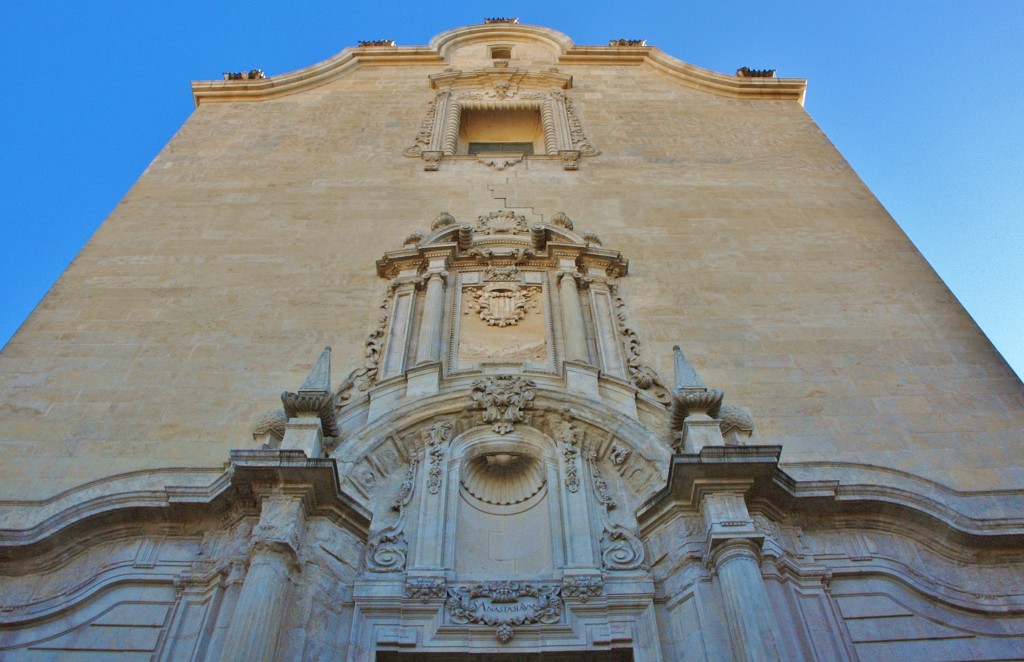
(686,375)
(314,396)
(319,379)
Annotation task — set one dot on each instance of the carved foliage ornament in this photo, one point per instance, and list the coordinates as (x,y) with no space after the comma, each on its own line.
(503,399)
(582,587)
(437,436)
(643,377)
(571,437)
(425,588)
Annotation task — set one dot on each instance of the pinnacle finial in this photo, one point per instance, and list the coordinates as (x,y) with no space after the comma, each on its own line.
(686,375)
(319,379)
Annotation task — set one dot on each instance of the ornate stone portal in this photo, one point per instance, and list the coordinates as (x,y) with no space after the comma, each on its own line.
(503,472)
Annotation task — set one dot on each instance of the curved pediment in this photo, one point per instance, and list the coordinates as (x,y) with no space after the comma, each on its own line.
(470,48)
(501,239)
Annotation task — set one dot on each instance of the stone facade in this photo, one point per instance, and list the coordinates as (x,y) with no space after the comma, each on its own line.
(635,367)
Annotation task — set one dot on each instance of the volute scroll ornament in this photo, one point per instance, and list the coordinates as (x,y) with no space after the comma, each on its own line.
(387,551)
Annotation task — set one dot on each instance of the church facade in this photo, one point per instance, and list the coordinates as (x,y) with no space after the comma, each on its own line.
(506,348)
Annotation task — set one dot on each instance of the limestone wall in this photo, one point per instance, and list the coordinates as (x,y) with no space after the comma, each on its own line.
(250,242)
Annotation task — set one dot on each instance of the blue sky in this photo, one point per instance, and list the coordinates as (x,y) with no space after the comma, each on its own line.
(925,100)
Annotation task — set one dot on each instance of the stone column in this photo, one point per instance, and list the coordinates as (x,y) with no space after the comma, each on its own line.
(258,620)
(428,349)
(573,330)
(734,547)
(747,608)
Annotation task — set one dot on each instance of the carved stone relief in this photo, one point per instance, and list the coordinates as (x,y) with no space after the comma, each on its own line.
(503,305)
(437,437)
(504,604)
(620,547)
(425,589)
(496,88)
(387,551)
(503,399)
(582,587)
(570,436)
(643,376)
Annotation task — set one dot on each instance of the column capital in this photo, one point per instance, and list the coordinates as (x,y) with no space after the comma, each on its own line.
(575,275)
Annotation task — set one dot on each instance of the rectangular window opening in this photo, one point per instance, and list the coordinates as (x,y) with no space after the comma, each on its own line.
(485,131)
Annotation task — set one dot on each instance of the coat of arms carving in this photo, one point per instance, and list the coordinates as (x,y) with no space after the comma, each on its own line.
(503,304)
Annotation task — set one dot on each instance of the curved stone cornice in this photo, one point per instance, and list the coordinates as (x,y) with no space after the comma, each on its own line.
(788,89)
(767,482)
(117,501)
(449,40)
(791,89)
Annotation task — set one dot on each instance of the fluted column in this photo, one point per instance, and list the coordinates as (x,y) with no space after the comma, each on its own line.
(747,608)
(428,349)
(733,552)
(258,620)
(573,330)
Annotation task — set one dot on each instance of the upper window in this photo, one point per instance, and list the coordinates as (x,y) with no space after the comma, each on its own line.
(512,130)
(501,52)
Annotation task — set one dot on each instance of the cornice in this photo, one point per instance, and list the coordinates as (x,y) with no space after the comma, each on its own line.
(110,502)
(448,40)
(436,54)
(689,476)
(785,89)
(345,62)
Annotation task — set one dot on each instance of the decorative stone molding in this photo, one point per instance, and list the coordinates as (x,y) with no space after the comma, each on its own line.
(405,488)
(502,274)
(387,551)
(686,403)
(503,478)
(735,419)
(503,305)
(271,423)
(501,222)
(501,87)
(567,433)
(432,160)
(442,220)
(437,437)
(361,379)
(582,587)
(562,220)
(618,454)
(601,491)
(643,376)
(503,604)
(315,396)
(503,398)
(570,158)
(414,238)
(621,549)
(425,589)
(500,161)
